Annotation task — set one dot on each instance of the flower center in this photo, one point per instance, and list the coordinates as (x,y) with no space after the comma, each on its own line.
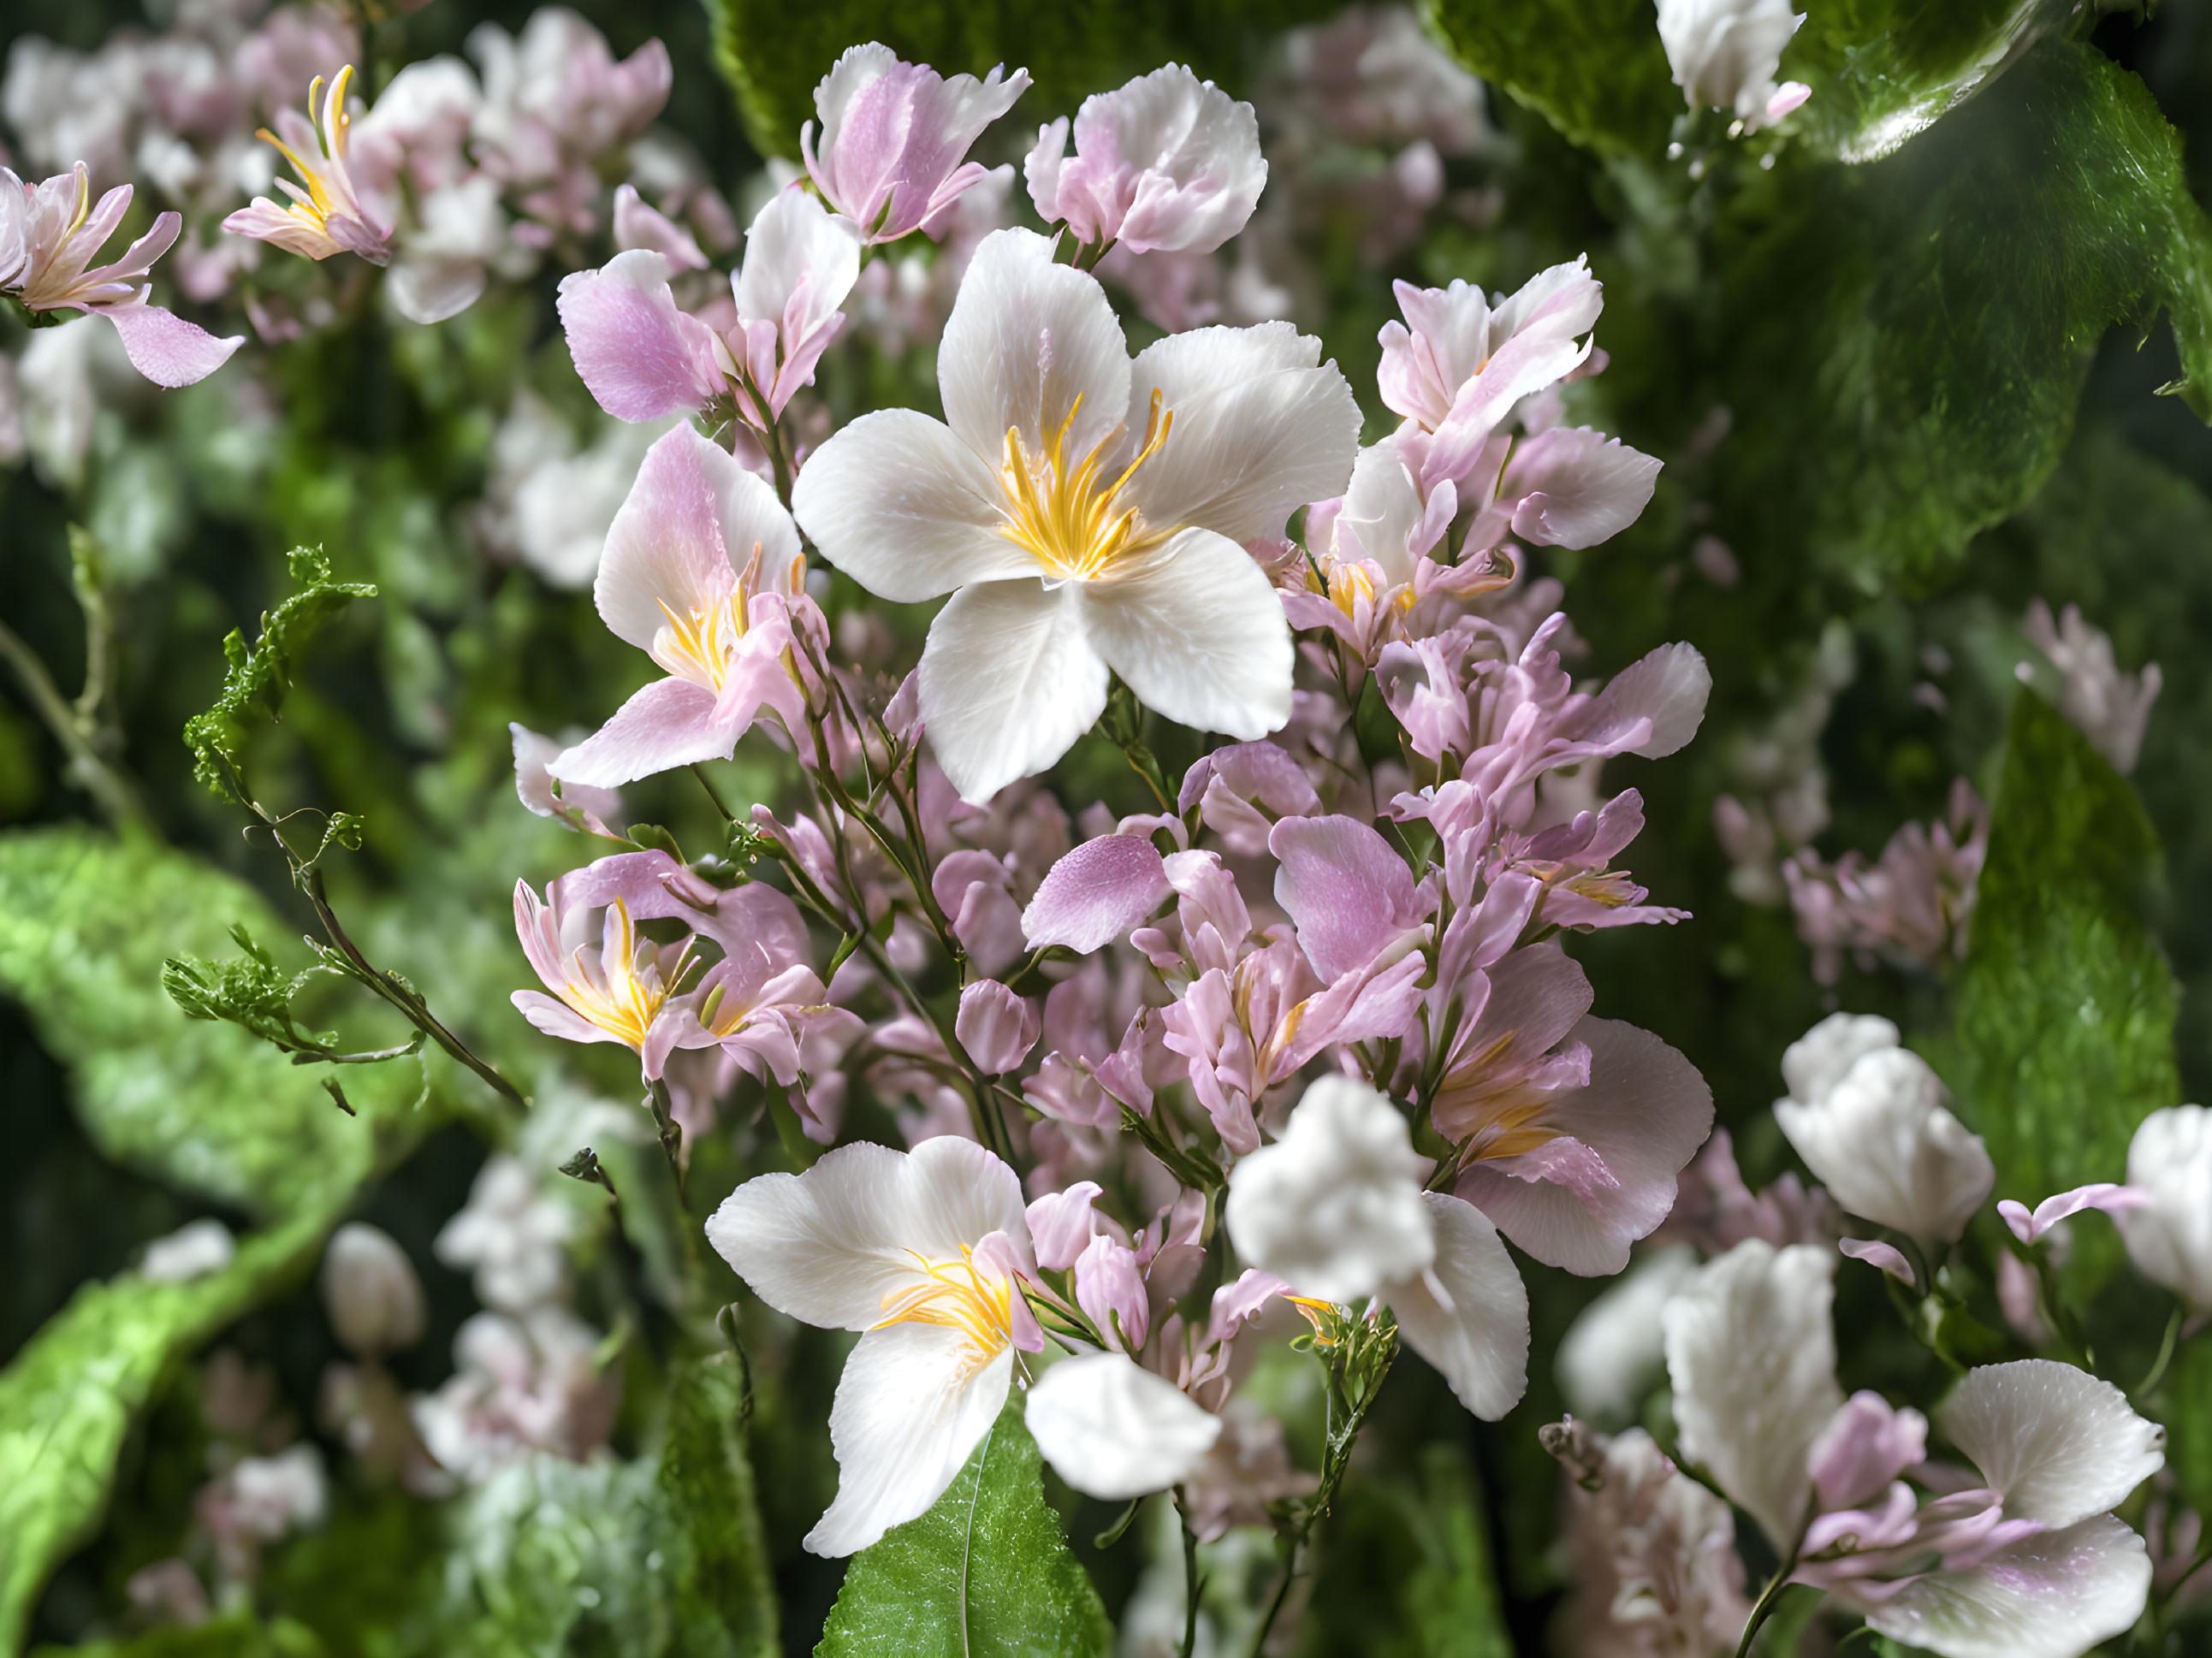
(620,994)
(1066,513)
(315,208)
(957,1295)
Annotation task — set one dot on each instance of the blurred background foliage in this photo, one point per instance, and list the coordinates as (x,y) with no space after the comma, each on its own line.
(1903,393)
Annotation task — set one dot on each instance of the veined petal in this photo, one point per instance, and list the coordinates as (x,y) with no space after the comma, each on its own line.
(670,723)
(828,1246)
(1198,635)
(906,509)
(1476,1330)
(1349,892)
(1116,1430)
(1578,487)
(1258,430)
(2058,1442)
(165,348)
(2052,1595)
(911,1408)
(641,357)
(1009,680)
(1026,339)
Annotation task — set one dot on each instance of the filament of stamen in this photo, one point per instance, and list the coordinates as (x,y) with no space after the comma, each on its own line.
(955,1296)
(1066,513)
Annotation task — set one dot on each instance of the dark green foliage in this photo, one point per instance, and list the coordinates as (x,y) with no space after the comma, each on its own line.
(261,673)
(1594,68)
(985,1574)
(725,1603)
(2184,1405)
(2065,1007)
(1904,343)
(775,55)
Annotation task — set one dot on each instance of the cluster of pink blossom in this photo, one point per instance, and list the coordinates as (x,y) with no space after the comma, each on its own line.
(1205,1041)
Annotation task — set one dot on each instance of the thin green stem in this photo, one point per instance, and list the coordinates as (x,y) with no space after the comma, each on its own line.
(2165,1355)
(1190,1582)
(1769,1598)
(74,728)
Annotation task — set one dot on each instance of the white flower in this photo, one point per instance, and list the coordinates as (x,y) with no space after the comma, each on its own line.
(1724,54)
(2169,1238)
(512,1236)
(370,1289)
(1753,1361)
(277,1494)
(1467,1315)
(2064,1449)
(1616,1347)
(1086,513)
(193,1250)
(1334,1206)
(1113,1430)
(1169,163)
(1880,1136)
(900,1246)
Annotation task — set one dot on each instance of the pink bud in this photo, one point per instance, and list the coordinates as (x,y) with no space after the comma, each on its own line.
(1062,1224)
(1865,1445)
(995,1026)
(1110,1289)
(1096,893)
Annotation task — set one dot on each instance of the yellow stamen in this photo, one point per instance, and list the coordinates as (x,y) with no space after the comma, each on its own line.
(618,998)
(700,645)
(315,209)
(955,1296)
(1065,513)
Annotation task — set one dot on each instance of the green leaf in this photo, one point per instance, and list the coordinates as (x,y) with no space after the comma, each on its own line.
(1904,343)
(985,1574)
(724,1600)
(86,923)
(2065,1007)
(774,54)
(260,674)
(1883,70)
(69,1396)
(1594,68)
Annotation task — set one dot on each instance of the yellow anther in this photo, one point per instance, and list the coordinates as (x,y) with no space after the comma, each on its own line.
(955,1296)
(1065,512)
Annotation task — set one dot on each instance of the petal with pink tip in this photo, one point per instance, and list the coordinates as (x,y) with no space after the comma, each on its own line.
(641,357)
(1578,487)
(670,723)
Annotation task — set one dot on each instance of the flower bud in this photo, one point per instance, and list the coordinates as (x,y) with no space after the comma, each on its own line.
(1725,53)
(995,1026)
(1062,1224)
(1334,1206)
(2169,1234)
(1883,1141)
(371,1292)
(1110,1289)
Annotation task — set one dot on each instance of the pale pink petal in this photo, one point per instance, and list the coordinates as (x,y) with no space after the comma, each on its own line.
(1348,892)
(670,723)
(1874,1253)
(1577,487)
(996,1027)
(165,348)
(1060,1224)
(642,357)
(1096,893)
(1866,1445)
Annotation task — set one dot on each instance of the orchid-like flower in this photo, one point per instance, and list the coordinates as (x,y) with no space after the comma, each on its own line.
(326,215)
(1725,54)
(2032,1563)
(1459,361)
(625,989)
(1869,1118)
(891,153)
(2169,1233)
(1169,163)
(644,359)
(51,233)
(1088,514)
(703,572)
(925,1253)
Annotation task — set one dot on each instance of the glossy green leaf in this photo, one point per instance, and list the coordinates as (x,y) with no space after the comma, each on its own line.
(70,1395)
(2065,1007)
(1883,70)
(87,922)
(775,55)
(1594,68)
(985,1574)
(1904,343)
(725,1600)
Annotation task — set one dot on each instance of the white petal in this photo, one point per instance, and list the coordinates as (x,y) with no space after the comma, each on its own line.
(905,508)
(2058,1442)
(1882,1141)
(1116,1430)
(1382,506)
(1258,431)
(827,1245)
(2170,1239)
(1026,339)
(1009,681)
(792,240)
(2055,1595)
(1478,1335)
(1198,635)
(1753,1360)
(914,1403)
(1614,1350)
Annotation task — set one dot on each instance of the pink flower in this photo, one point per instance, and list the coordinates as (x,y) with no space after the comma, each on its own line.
(1169,163)
(893,136)
(625,990)
(703,572)
(50,233)
(996,1027)
(1457,362)
(326,216)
